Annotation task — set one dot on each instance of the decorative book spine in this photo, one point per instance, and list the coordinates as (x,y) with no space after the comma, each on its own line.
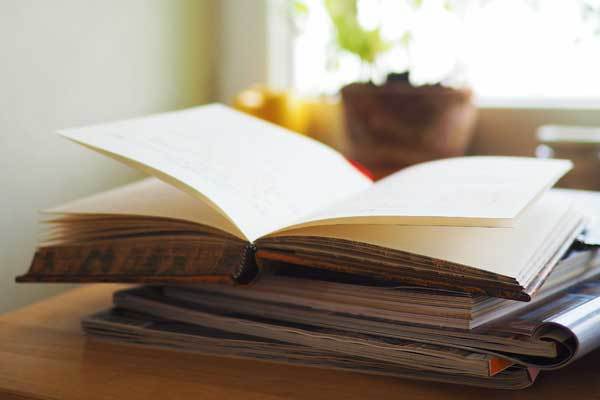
(248,269)
(151,260)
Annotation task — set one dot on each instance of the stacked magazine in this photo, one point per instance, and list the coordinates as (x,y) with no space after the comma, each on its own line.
(251,241)
(392,330)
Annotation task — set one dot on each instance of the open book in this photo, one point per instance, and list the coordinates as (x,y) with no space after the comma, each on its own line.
(235,194)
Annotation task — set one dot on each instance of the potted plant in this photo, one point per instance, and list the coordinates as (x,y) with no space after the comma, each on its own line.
(395,124)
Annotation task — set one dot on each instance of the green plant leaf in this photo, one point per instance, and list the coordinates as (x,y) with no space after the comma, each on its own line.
(350,35)
(300,8)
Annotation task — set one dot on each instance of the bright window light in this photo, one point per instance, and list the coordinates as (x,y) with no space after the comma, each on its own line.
(511,49)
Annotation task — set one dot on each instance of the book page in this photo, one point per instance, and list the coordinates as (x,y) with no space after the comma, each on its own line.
(503,251)
(149,197)
(464,191)
(260,176)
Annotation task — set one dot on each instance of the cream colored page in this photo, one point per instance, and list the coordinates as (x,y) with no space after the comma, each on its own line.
(150,198)
(504,251)
(262,177)
(465,191)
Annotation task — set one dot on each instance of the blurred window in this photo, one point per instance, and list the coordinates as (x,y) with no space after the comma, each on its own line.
(503,49)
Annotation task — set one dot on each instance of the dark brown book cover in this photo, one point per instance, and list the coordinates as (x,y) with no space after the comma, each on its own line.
(148,261)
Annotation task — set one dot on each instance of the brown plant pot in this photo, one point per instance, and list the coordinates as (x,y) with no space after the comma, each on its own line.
(395,125)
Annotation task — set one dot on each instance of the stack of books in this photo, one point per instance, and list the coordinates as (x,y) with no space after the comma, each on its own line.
(256,242)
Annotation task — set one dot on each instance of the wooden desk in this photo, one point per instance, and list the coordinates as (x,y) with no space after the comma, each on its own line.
(43,355)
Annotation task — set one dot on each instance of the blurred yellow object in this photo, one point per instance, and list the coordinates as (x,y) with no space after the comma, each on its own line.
(325,122)
(277,106)
(317,117)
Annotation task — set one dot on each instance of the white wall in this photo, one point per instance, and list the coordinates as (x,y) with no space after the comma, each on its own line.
(66,63)
(241,38)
